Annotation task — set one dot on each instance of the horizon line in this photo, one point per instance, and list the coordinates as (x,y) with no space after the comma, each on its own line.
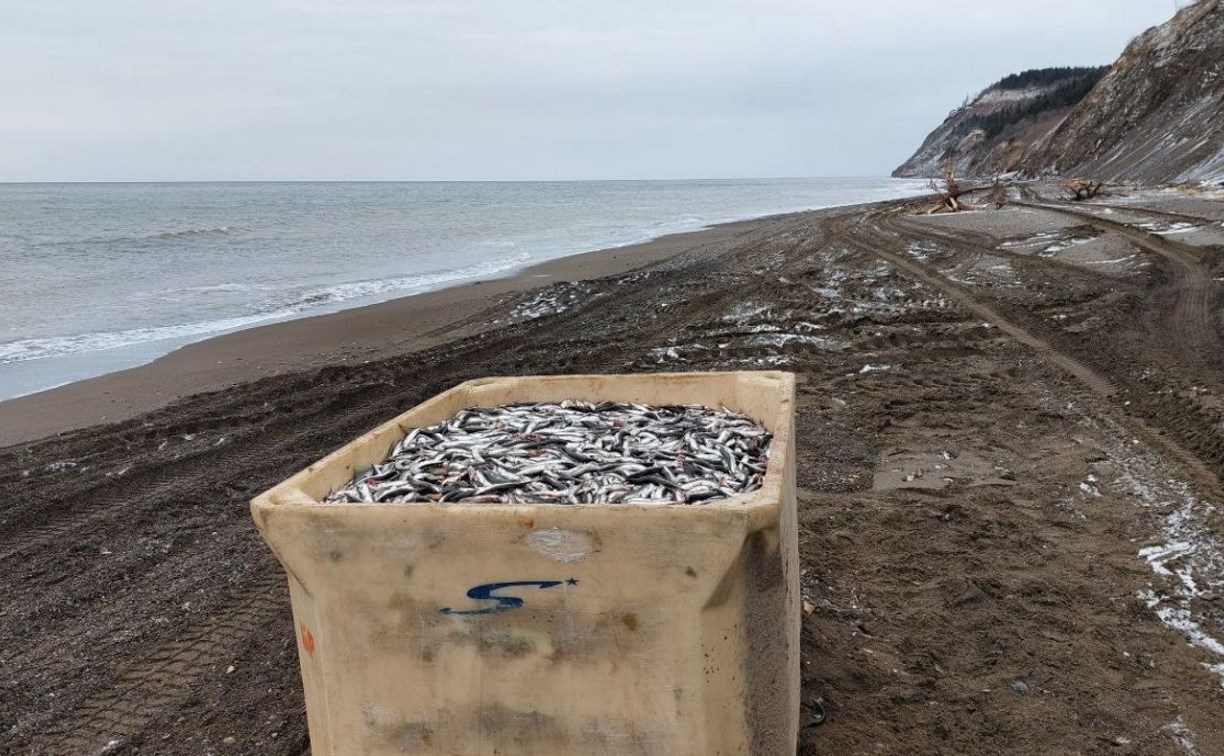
(435,181)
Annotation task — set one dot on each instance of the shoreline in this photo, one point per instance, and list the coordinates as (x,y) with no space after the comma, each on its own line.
(396,326)
(35,362)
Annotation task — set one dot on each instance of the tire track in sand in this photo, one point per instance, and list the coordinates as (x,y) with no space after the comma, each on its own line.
(865,234)
(150,686)
(1190,322)
(1193,438)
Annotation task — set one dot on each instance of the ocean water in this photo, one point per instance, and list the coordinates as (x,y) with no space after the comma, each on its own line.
(100,277)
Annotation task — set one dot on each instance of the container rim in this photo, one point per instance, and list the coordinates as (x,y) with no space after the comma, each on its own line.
(289,493)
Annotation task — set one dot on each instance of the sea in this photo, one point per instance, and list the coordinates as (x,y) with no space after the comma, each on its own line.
(96,278)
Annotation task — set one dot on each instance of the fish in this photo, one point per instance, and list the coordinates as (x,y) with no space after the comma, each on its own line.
(570,452)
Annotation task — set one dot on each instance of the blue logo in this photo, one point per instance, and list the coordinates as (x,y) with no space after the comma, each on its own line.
(487,592)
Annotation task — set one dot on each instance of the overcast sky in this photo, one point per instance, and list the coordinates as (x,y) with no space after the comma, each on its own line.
(513,89)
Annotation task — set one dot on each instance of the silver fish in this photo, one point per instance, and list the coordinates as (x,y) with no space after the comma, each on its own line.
(572,452)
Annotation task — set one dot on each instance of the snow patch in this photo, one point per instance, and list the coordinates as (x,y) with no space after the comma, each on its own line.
(1182,735)
(869,368)
(1188,558)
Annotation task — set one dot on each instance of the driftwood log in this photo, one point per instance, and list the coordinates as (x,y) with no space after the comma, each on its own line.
(948,189)
(1083,189)
(998,193)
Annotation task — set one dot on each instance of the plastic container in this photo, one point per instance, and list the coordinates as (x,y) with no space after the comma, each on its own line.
(548,630)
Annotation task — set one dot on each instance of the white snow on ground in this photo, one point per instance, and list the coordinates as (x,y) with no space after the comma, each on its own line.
(988,271)
(1044,236)
(1063,245)
(921,251)
(1178,617)
(1188,561)
(1115,261)
(109,747)
(1089,486)
(869,368)
(745,311)
(1182,735)
(780,340)
(1053,241)
(1170,229)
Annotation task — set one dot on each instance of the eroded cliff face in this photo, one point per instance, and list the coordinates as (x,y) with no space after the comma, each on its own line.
(991,134)
(1157,117)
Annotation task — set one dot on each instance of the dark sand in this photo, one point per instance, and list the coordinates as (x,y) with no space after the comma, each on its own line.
(988,434)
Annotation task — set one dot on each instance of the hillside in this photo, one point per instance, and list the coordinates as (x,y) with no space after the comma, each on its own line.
(1158,116)
(1155,116)
(991,133)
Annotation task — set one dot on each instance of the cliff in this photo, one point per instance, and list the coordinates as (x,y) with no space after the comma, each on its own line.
(1157,117)
(1154,116)
(990,133)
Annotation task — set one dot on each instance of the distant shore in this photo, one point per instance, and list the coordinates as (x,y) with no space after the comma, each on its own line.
(371,332)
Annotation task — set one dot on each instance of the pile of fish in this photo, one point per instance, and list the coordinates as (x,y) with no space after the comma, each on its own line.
(573,452)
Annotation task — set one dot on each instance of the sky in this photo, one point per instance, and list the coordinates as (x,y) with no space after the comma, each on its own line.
(181,90)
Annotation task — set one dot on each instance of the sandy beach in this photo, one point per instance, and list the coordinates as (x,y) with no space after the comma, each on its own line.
(346,337)
(1009,441)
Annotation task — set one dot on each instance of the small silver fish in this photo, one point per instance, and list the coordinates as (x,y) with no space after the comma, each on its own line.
(572,452)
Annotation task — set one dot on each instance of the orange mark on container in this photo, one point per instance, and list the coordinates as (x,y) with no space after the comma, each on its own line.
(308,640)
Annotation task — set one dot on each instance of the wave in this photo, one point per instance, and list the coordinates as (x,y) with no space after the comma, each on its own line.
(189,233)
(342,292)
(60,346)
(222,288)
(296,304)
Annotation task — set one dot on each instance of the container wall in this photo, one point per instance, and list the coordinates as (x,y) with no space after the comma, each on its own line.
(548,629)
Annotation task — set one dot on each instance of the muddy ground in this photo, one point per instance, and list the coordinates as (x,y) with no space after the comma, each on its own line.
(1011,432)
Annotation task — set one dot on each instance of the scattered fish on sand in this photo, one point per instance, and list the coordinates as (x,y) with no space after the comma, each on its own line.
(573,452)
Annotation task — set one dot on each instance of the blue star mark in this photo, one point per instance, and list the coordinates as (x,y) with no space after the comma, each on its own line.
(572,581)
